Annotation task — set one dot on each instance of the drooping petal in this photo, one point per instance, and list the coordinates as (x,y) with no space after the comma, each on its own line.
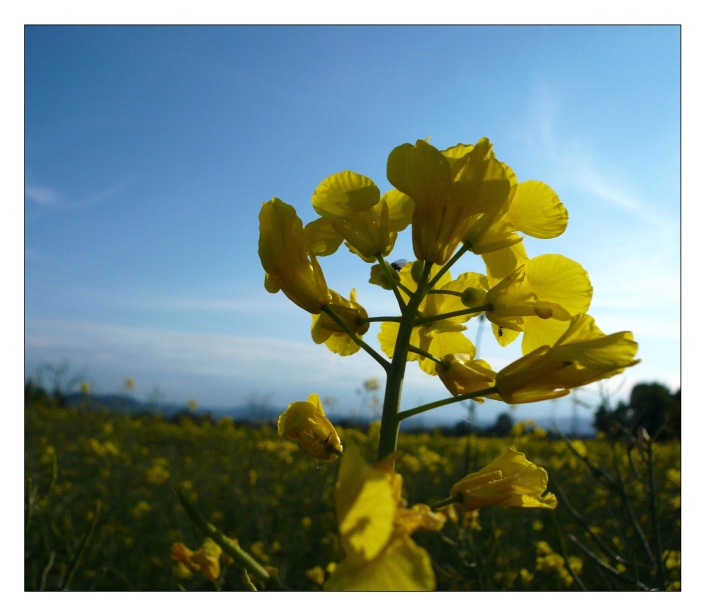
(365,507)
(511,480)
(282,250)
(550,372)
(402,565)
(465,375)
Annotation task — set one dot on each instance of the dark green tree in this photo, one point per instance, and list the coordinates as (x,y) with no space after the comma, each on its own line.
(652,406)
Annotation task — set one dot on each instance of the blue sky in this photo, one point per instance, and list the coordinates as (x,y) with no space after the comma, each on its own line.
(148,153)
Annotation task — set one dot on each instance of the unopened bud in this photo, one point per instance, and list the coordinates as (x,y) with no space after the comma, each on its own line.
(417,269)
(473,297)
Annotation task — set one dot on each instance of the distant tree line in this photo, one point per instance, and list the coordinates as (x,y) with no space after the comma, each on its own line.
(651,406)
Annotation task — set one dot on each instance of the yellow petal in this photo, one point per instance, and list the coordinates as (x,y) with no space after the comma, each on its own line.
(400,208)
(511,480)
(365,507)
(403,565)
(282,250)
(536,210)
(343,194)
(321,238)
(502,263)
(342,344)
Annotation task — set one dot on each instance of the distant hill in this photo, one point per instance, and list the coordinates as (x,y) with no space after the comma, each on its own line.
(118,403)
(583,425)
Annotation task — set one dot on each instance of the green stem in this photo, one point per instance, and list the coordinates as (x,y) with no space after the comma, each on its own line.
(442,292)
(461,251)
(434,358)
(82,549)
(655,519)
(432,405)
(228,545)
(391,279)
(390,426)
(450,315)
(458,498)
(379,319)
(359,341)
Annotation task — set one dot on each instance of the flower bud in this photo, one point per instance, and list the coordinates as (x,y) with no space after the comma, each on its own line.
(306,422)
(473,297)
(417,269)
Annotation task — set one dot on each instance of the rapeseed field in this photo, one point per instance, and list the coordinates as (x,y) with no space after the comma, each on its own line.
(101,511)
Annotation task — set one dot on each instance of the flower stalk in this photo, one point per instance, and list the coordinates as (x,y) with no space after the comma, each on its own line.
(390,425)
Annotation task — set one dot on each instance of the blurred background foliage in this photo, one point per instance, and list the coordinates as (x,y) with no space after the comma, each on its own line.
(101,514)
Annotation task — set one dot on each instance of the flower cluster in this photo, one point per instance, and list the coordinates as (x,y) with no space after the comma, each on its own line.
(458,201)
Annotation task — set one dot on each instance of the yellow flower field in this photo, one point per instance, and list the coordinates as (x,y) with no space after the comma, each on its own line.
(101,512)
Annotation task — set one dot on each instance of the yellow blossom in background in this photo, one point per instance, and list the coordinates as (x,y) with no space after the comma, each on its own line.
(306,422)
(158,473)
(539,298)
(129,383)
(284,257)
(510,481)
(465,375)
(85,388)
(374,527)
(316,575)
(582,355)
(103,449)
(325,329)
(142,509)
(205,560)
(448,188)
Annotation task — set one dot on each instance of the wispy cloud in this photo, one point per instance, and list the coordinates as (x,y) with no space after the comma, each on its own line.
(577,164)
(41,195)
(47,200)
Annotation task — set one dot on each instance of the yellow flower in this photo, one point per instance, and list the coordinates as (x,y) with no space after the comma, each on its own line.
(374,528)
(510,481)
(440,337)
(325,329)
(582,355)
(539,298)
(531,207)
(465,375)
(448,188)
(306,422)
(284,257)
(85,388)
(205,560)
(351,209)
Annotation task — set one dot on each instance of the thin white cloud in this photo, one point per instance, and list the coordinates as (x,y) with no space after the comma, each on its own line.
(41,195)
(575,163)
(47,200)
